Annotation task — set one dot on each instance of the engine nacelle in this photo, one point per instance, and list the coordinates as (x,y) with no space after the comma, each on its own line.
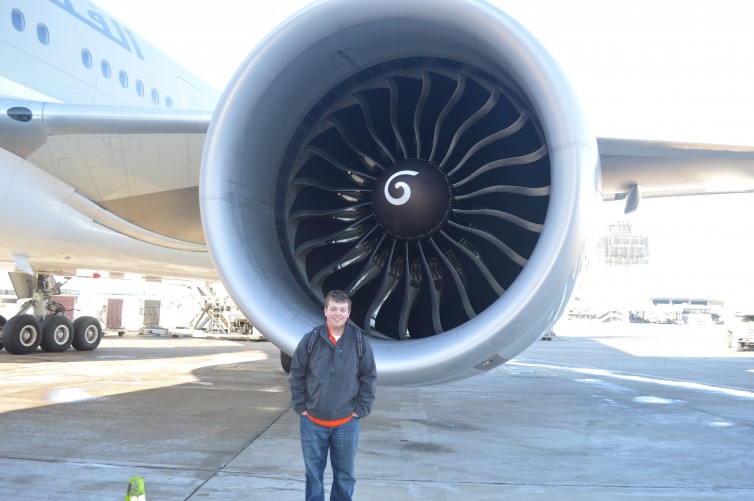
(429,158)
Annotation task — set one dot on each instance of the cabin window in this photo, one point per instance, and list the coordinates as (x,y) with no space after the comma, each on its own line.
(86,58)
(123,79)
(155,96)
(106,71)
(43,34)
(18,19)
(140,88)
(168,102)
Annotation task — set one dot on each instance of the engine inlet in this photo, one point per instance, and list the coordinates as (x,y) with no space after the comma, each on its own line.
(420,188)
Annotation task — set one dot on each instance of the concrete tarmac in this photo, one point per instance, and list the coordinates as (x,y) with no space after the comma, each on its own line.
(600,412)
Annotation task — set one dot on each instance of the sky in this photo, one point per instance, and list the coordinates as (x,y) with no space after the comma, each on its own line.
(670,69)
(677,70)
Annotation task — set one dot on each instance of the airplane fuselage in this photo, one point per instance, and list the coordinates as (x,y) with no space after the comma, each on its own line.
(89,193)
(105,63)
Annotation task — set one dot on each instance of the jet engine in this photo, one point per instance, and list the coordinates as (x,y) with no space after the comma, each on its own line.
(427,157)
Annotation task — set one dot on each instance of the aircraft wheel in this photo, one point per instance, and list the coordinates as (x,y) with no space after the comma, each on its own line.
(22,335)
(87,333)
(286,361)
(2,322)
(57,334)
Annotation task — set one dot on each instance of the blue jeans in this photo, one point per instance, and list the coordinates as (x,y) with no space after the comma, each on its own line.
(341,442)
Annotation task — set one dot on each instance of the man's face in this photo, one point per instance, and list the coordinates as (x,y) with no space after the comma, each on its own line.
(337,314)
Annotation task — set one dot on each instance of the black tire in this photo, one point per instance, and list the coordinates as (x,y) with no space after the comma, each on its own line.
(286,361)
(87,333)
(57,334)
(2,323)
(22,335)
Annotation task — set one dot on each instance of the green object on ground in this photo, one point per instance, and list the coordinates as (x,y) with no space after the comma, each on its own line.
(135,490)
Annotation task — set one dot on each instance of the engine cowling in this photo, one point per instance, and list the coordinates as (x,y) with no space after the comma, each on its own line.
(429,158)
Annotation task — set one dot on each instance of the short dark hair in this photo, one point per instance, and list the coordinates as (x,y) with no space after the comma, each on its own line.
(338,297)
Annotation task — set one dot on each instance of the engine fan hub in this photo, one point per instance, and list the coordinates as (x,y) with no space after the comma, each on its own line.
(412,199)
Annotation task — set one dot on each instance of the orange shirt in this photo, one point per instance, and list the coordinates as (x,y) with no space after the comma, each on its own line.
(330,424)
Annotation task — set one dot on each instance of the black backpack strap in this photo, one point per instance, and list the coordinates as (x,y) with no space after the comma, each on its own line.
(313,335)
(359,343)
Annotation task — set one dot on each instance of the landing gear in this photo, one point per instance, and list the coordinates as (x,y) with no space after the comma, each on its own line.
(286,361)
(22,335)
(87,333)
(47,326)
(2,323)
(57,334)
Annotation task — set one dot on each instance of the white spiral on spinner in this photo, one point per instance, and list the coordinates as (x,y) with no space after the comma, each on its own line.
(399,185)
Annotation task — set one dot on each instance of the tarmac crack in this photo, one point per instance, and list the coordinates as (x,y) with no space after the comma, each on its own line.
(105,464)
(216,472)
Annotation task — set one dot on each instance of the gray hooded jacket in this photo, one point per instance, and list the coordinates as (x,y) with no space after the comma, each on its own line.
(333,381)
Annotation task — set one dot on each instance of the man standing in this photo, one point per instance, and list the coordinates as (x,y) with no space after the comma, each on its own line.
(332,383)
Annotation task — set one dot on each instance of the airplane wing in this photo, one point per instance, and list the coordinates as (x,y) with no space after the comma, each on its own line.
(135,171)
(663,168)
(116,187)
(138,168)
